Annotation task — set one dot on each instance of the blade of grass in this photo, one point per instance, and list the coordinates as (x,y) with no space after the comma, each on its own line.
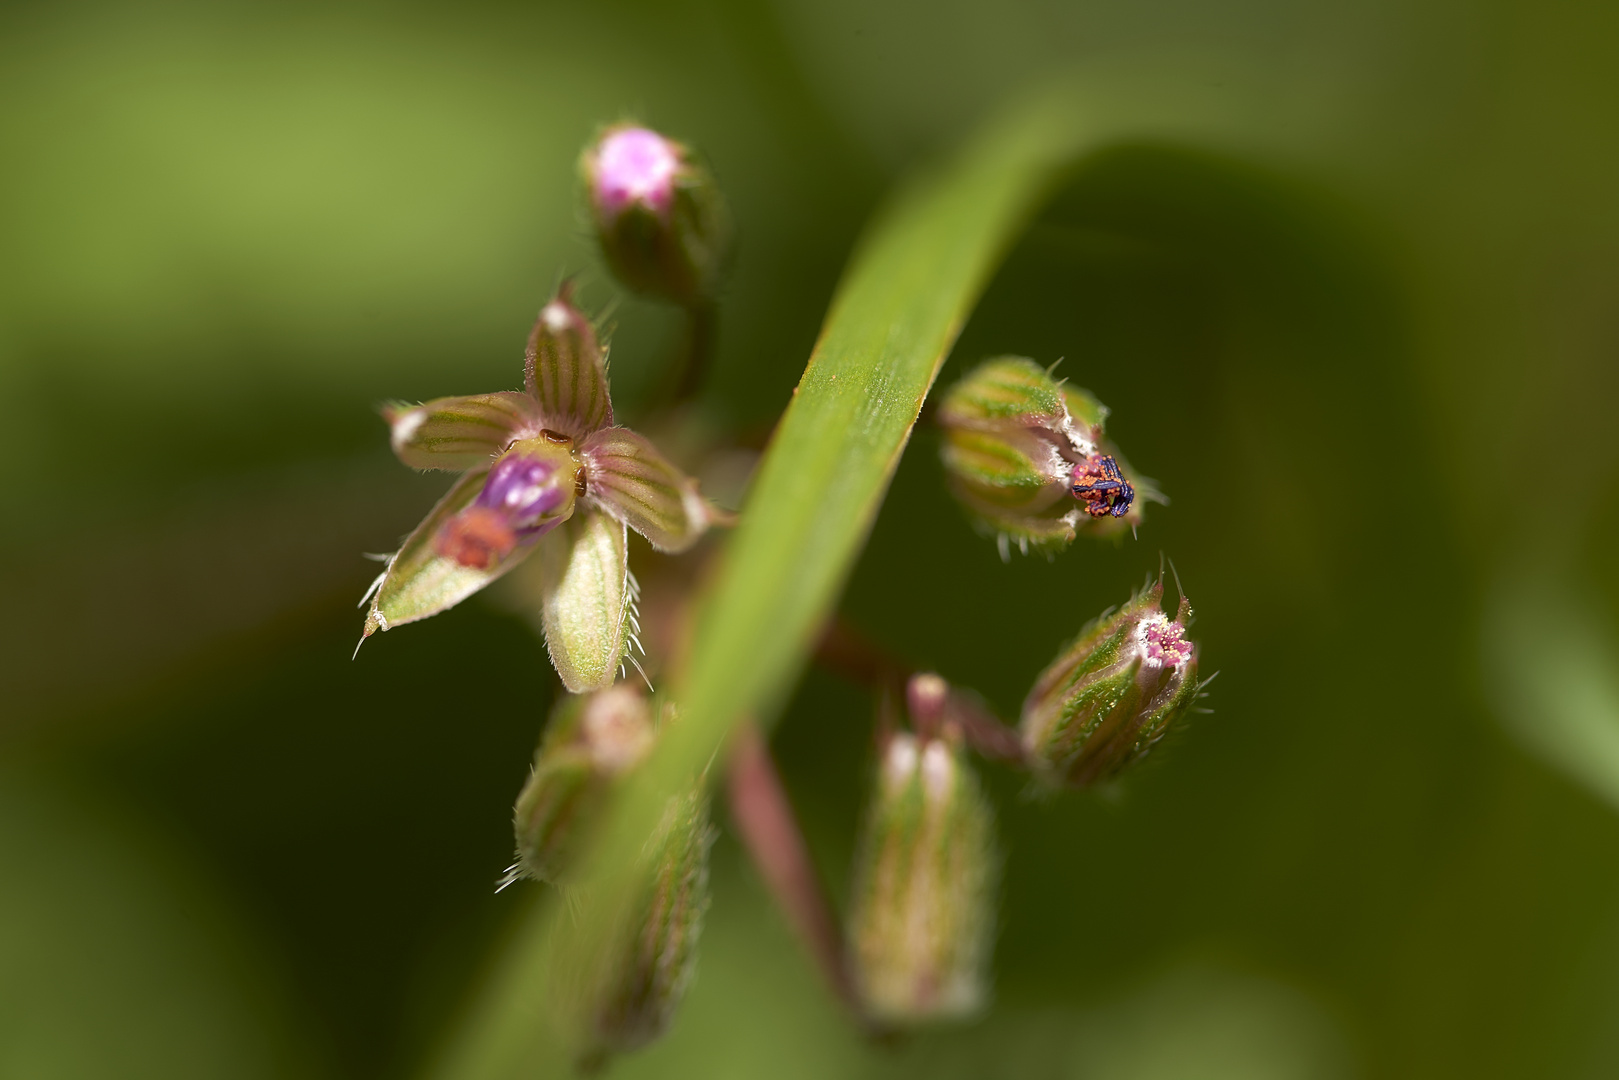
(910,287)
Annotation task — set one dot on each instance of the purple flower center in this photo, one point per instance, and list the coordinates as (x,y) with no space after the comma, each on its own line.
(522,489)
(1164,642)
(635,165)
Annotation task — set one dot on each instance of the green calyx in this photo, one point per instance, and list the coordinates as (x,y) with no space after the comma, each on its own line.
(924,887)
(589,742)
(1013,435)
(1111,694)
(653,960)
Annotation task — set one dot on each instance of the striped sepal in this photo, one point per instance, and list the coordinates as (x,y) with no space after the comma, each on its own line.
(566,371)
(461,432)
(626,476)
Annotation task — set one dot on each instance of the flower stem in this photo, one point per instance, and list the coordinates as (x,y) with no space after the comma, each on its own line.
(702,336)
(769,830)
(846,651)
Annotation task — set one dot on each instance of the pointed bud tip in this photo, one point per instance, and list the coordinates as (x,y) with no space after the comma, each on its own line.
(926,695)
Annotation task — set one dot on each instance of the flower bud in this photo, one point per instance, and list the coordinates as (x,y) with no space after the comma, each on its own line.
(655,959)
(530,490)
(589,742)
(659,216)
(1112,693)
(1021,449)
(924,883)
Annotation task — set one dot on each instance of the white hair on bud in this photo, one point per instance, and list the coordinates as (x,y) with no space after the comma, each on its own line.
(938,771)
(899,763)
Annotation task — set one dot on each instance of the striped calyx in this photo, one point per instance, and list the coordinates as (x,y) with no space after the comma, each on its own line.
(644,975)
(633,483)
(1112,693)
(565,369)
(590,741)
(922,913)
(1026,457)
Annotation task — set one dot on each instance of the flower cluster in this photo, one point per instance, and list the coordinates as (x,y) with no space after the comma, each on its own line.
(548,478)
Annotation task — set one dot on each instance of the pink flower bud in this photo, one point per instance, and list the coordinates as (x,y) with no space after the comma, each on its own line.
(662,224)
(635,165)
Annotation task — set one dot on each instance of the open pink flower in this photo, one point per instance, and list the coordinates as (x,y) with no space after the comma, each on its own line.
(546,474)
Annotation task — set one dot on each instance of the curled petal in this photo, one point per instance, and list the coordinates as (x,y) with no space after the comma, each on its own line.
(419,581)
(627,477)
(584,575)
(461,432)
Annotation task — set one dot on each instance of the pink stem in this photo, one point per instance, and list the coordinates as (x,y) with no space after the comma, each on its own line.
(765,819)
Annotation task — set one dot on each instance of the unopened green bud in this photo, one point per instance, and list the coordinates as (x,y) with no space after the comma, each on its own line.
(1026,457)
(655,959)
(1112,693)
(663,226)
(924,882)
(589,742)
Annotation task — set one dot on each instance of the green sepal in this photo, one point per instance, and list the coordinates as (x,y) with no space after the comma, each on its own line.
(1004,474)
(418,582)
(1084,409)
(1004,390)
(589,742)
(631,481)
(565,369)
(586,588)
(460,432)
(1100,705)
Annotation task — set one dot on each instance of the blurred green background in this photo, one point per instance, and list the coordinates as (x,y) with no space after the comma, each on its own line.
(1372,357)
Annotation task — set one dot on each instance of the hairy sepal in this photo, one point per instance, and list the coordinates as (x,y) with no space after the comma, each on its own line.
(419,582)
(584,576)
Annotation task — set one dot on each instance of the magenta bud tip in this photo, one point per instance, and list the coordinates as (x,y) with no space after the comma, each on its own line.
(635,165)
